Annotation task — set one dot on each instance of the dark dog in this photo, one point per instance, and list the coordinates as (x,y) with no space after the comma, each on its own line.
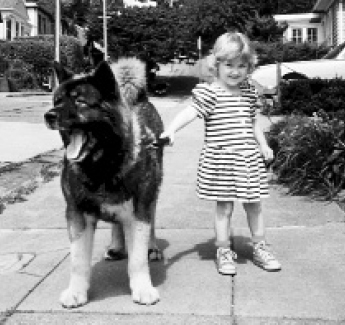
(111,170)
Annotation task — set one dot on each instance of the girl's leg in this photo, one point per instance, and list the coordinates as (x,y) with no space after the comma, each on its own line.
(261,254)
(255,221)
(225,263)
(222,223)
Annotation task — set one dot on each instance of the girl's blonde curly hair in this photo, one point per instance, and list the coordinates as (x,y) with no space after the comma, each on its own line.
(230,46)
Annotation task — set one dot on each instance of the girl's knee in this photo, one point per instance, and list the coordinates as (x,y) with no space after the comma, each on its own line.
(252,207)
(225,208)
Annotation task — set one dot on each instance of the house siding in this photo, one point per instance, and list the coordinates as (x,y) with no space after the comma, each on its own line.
(342,22)
(334,10)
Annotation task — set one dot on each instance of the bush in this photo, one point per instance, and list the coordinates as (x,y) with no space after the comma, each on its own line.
(21,74)
(310,155)
(287,52)
(309,96)
(39,53)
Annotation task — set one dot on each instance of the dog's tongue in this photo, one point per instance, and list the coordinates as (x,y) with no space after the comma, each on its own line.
(77,139)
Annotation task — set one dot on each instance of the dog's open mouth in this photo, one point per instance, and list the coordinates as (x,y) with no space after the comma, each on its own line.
(76,148)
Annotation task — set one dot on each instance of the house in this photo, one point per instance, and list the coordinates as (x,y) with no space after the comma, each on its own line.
(324,25)
(15,19)
(22,18)
(139,3)
(332,14)
(42,17)
(302,28)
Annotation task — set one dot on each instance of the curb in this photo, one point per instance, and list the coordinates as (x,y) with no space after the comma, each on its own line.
(20,179)
(26,94)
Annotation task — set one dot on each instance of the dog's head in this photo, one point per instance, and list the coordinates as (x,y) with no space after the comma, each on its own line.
(88,112)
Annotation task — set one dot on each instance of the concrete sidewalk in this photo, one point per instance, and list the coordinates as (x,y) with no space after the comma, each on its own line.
(308,238)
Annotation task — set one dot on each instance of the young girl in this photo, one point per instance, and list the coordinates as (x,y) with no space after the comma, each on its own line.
(231,166)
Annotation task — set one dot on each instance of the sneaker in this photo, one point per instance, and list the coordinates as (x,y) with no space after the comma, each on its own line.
(263,258)
(225,262)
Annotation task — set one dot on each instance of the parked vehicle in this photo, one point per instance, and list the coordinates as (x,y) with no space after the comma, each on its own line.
(332,65)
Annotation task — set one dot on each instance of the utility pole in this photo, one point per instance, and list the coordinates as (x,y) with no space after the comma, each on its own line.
(57,30)
(105,30)
(54,82)
(199,45)
(279,80)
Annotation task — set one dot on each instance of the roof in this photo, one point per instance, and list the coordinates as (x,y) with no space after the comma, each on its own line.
(309,17)
(47,5)
(322,5)
(7,3)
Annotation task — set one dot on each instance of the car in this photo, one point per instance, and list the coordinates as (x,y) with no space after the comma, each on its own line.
(332,65)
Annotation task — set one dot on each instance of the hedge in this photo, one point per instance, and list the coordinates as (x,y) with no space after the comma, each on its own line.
(309,96)
(287,52)
(38,52)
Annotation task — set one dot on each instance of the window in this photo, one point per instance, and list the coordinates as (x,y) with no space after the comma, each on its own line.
(312,35)
(17,29)
(297,35)
(8,29)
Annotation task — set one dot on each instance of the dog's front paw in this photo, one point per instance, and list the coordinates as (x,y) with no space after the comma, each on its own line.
(71,298)
(144,294)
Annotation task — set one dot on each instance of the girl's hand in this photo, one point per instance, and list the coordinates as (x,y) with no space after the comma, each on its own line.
(267,152)
(170,135)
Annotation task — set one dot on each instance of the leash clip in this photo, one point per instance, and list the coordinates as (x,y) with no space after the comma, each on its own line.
(160,142)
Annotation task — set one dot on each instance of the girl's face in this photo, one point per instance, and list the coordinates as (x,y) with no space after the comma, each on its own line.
(232,72)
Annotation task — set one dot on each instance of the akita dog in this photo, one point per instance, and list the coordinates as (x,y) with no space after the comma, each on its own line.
(111,170)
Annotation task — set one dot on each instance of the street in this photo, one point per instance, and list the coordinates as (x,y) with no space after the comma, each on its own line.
(24,108)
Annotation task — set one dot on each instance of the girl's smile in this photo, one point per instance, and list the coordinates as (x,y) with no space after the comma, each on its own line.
(232,72)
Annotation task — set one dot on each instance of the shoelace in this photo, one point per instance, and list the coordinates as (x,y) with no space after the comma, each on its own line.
(227,255)
(261,250)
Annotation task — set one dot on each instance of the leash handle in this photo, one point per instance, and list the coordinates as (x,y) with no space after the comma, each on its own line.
(161,142)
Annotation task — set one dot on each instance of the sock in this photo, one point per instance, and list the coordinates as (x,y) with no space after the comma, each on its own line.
(223,243)
(258,239)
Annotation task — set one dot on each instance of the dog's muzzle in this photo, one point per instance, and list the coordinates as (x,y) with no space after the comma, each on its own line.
(51,119)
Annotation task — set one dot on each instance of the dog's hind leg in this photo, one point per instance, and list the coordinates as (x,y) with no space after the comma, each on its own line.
(154,253)
(116,250)
(137,234)
(82,237)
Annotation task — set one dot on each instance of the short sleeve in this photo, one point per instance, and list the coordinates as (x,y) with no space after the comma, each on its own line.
(203,100)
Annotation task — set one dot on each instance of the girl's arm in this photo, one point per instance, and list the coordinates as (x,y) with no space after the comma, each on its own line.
(181,120)
(266,151)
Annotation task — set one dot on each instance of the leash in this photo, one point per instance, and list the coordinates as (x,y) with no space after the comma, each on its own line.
(159,143)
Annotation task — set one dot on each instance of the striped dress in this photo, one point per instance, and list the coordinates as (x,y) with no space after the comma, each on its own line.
(231,167)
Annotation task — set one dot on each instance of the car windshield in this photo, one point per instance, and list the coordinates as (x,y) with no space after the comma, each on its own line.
(337,53)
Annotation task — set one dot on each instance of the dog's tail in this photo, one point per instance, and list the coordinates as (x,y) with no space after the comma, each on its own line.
(130,74)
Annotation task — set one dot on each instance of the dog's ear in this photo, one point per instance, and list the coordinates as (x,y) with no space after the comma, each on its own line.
(104,80)
(62,73)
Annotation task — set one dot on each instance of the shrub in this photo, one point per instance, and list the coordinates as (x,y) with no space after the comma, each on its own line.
(39,53)
(310,155)
(287,52)
(309,96)
(21,74)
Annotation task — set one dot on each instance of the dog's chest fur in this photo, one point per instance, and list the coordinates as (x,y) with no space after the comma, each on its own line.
(104,190)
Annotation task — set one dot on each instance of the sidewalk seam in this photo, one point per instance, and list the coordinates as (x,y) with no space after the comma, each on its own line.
(13,310)
(232,303)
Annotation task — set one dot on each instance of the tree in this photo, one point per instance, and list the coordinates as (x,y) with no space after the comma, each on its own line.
(166,32)
(211,18)
(138,31)
(75,11)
